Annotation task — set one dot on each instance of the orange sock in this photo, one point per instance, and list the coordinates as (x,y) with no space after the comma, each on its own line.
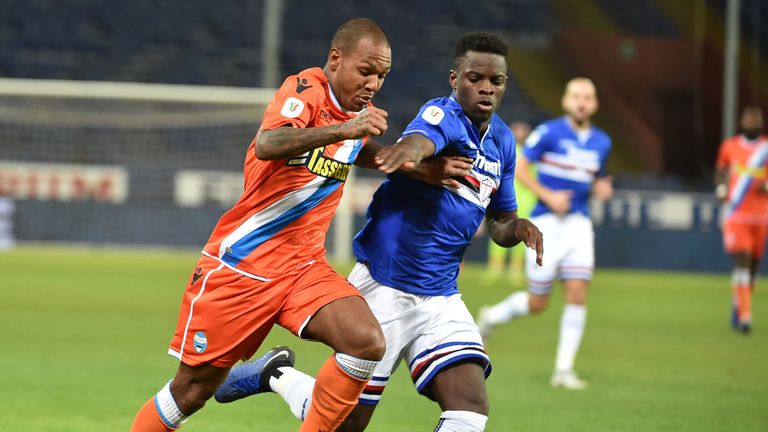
(334,396)
(148,419)
(741,285)
(744,302)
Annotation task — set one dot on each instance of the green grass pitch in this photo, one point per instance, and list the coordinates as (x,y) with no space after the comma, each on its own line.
(85,334)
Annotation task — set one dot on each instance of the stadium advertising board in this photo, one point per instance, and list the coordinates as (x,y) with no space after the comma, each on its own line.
(63,182)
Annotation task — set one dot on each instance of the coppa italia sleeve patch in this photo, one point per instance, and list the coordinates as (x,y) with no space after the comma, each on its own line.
(433,115)
(292,108)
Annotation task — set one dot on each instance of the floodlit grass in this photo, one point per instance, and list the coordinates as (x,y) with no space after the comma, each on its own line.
(85,334)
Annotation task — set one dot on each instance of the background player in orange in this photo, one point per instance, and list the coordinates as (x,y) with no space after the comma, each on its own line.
(265,260)
(742,184)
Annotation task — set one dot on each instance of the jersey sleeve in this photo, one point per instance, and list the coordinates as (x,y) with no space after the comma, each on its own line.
(723,157)
(505,198)
(293,104)
(435,124)
(537,143)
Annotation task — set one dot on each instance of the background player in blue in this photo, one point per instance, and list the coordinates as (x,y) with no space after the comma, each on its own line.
(571,155)
(411,247)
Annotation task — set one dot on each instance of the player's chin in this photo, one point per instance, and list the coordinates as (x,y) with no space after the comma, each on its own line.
(480,116)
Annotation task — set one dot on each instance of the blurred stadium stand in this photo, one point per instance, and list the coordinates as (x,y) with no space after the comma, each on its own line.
(657,65)
(197,42)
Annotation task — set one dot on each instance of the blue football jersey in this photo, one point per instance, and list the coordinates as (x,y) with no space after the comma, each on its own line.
(567,160)
(416,233)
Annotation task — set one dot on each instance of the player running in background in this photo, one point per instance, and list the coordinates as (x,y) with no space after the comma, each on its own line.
(742,184)
(264,263)
(498,265)
(411,247)
(570,153)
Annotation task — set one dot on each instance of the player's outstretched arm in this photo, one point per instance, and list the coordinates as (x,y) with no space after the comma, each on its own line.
(286,142)
(507,230)
(441,170)
(438,171)
(405,155)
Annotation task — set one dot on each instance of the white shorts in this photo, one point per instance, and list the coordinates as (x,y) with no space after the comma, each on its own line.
(569,251)
(428,332)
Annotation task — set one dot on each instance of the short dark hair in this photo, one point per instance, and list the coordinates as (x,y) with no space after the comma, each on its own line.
(353,31)
(483,42)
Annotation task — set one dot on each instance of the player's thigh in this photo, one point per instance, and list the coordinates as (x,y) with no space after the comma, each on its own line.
(325,307)
(450,338)
(224,315)
(461,387)
(760,236)
(740,241)
(578,256)
(541,278)
(401,317)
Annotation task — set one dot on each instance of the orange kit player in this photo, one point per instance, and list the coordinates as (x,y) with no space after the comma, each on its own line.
(264,264)
(742,184)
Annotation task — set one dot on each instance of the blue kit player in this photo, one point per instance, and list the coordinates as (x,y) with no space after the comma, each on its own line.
(570,153)
(411,247)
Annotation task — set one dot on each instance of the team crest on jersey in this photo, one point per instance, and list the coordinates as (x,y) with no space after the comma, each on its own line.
(433,115)
(292,108)
(200,342)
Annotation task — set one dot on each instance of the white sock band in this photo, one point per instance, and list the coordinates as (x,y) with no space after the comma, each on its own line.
(572,325)
(461,421)
(358,368)
(167,408)
(295,387)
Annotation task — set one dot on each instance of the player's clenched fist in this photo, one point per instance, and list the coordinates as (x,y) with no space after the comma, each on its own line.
(371,122)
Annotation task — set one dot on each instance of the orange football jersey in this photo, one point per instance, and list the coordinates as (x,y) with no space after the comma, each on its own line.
(280,221)
(747,165)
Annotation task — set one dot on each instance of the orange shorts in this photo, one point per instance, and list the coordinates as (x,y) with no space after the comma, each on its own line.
(744,238)
(225,315)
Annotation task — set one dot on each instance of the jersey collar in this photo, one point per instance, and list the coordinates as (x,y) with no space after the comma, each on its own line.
(338,105)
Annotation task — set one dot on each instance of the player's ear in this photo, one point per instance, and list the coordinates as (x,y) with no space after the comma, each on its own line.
(452,79)
(334,58)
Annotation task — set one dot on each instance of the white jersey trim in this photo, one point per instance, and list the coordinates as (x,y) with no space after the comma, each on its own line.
(573,174)
(237,270)
(271,212)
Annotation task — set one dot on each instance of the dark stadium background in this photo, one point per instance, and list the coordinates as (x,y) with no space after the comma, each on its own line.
(658,66)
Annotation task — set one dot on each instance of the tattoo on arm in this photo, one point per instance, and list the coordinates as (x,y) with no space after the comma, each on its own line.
(285,142)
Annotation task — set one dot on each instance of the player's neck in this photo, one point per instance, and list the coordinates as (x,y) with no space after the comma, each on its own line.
(483,127)
(752,136)
(579,126)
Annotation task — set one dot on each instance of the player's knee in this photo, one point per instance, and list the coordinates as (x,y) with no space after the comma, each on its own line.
(375,347)
(193,397)
(366,343)
(479,404)
(537,304)
(473,402)
(190,403)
